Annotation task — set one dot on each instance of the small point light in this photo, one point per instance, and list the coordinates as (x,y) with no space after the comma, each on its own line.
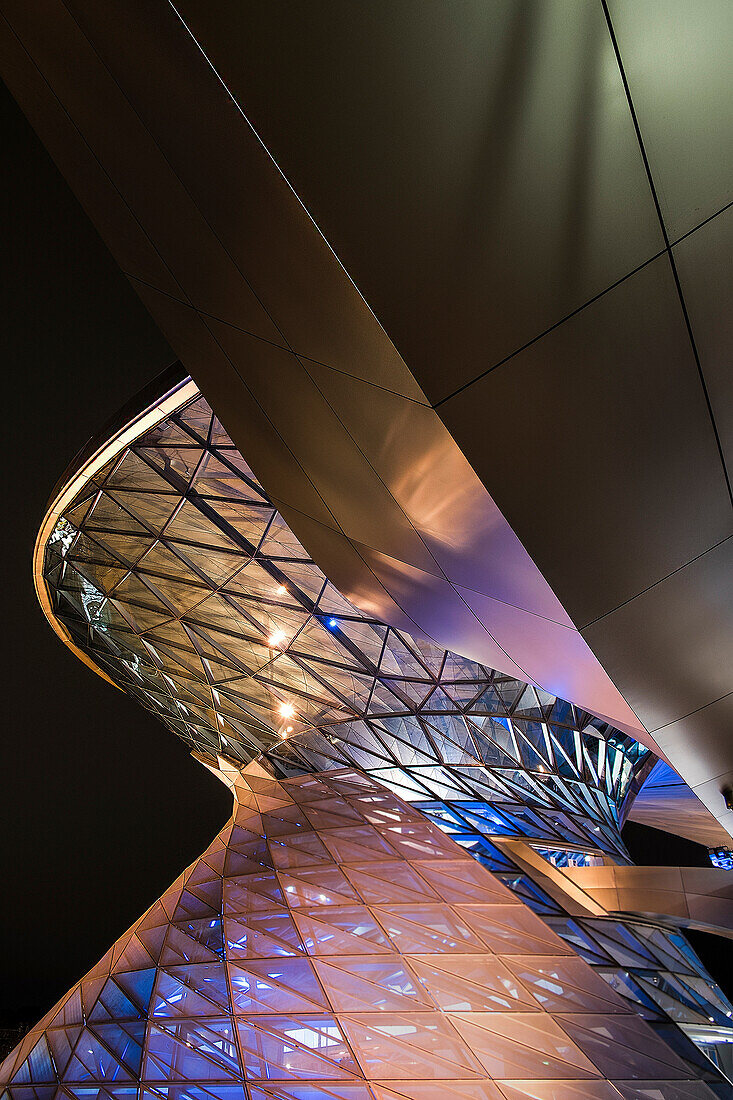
(332,623)
(287,710)
(281,589)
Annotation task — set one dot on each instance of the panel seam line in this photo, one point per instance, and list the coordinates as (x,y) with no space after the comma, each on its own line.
(668,246)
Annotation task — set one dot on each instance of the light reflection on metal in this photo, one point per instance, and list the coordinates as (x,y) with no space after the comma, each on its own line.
(209,610)
(173,551)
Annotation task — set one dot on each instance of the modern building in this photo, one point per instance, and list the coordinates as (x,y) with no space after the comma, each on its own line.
(442,607)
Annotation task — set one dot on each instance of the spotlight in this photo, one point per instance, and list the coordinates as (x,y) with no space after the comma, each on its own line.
(287,710)
(276,638)
(332,623)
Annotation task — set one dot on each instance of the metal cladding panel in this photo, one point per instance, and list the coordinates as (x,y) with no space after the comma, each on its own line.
(696,738)
(665,802)
(676,57)
(692,603)
(474,166)
(603,419)
(698,896)
(273,260)
(705,265)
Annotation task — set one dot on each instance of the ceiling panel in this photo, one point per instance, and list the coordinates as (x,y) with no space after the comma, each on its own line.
(474,165)
(597,446)
(705,266)
(359,502)
(665,802)
(559,657)
(677,59)
(671,649)
(414,455)
(182,149)
(700,748)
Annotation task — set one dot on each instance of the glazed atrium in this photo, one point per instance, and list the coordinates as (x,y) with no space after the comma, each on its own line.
(406,899)
(442,608)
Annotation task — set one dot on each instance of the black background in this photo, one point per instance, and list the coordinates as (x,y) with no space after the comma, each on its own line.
(100,806)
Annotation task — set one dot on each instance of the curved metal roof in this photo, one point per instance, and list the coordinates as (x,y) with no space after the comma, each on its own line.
(529,462)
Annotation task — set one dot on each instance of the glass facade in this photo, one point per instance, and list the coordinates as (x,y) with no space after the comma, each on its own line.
(174,573)
(331,944)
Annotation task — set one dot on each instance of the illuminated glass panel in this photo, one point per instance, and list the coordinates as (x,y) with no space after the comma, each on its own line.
(173,571)
(234,987)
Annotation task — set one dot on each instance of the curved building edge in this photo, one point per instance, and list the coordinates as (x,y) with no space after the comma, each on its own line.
(471,796)
(146,408)
(165,395)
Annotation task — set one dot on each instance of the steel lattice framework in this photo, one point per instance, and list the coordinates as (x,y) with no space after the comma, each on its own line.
(173,572)
(332,945)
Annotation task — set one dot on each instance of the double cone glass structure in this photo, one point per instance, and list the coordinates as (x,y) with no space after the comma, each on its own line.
(393,911)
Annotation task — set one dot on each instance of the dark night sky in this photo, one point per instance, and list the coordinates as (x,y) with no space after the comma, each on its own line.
(101,807)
